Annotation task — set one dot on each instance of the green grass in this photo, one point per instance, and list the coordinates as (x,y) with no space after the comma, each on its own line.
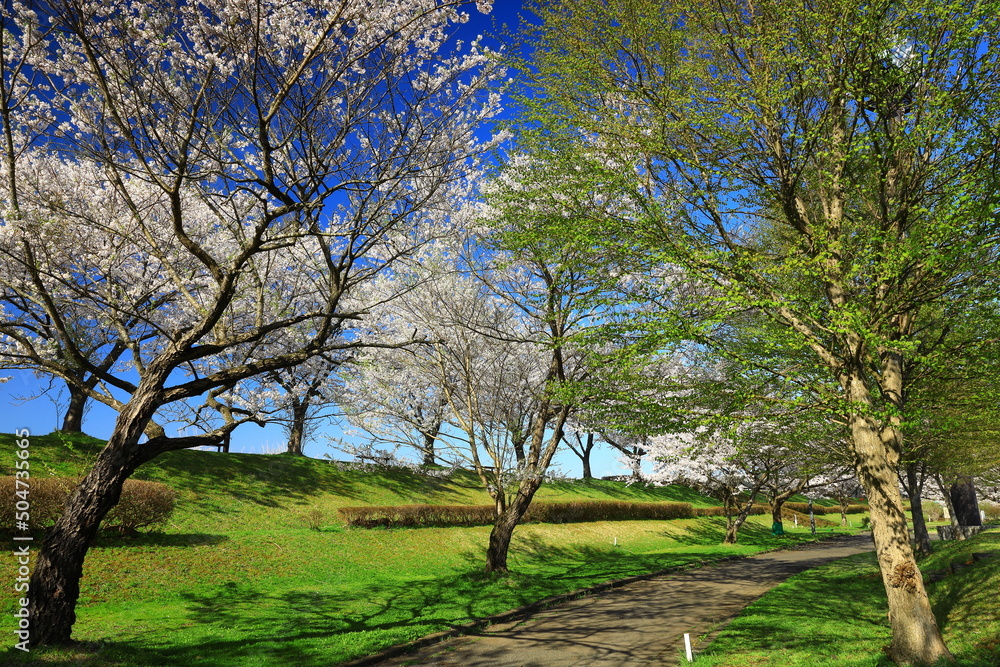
(238,578)
(835,616)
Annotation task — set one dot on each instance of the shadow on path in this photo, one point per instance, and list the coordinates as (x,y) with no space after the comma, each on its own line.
(642,623)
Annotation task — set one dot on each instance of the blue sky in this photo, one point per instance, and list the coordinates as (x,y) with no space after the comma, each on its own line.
(38,404)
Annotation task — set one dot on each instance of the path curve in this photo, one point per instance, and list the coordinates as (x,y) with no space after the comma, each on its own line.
(641,623)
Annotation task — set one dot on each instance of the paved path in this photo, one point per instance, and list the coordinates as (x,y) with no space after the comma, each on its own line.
(642,623)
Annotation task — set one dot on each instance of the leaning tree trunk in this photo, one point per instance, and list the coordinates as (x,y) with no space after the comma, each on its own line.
(55,583)
(503,529)
(537,462)
(921,538)
(915,634)
(734,523)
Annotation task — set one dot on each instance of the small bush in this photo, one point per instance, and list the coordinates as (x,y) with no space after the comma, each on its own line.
(45,497)
(314,518)
(142,504)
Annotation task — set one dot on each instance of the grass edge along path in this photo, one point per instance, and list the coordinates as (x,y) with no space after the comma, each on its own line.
(835,615)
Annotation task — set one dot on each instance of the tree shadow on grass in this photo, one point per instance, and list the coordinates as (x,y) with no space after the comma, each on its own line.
(157,539)
(280,480)
(965,604)
(240,624)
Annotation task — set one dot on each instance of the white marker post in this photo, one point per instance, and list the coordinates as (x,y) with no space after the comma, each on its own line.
(687,647)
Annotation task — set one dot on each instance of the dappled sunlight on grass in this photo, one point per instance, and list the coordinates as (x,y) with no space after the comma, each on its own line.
(835,616)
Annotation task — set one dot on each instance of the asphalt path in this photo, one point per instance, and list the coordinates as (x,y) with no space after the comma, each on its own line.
(641,623)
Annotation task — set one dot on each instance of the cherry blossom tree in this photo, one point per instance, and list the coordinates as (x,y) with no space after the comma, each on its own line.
(712,465)
(270,160)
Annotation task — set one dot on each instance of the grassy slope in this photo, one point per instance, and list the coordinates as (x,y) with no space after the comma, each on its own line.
(237,578)
(835,616)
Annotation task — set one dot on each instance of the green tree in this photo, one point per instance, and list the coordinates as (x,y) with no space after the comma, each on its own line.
(864,133)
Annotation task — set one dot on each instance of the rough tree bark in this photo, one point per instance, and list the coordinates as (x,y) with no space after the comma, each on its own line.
(915,632)
(509,514)
(55,582)
(585,457)
(297,427)
(503,529)
(734,523)
(778,502)
(73,419)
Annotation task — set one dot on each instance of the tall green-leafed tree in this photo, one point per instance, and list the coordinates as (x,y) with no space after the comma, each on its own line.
(864,133)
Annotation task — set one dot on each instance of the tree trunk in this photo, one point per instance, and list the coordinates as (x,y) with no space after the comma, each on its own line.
(585,457)
(635,460)
(914,487)
(297,428)
(55,583)
(915,634)
(778,502)
(733,524)
(949,508)
(430,437)
(777,527)
(963,499)
(503,529)
(73,419)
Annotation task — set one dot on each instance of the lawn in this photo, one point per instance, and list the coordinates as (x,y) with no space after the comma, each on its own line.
(238,577)
(835,616)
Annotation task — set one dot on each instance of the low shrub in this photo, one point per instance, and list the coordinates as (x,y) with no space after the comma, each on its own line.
(408,516)
(45,497)
(142,504)
(314,518)
(817,509)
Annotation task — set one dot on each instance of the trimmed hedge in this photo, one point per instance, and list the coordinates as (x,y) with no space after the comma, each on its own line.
(408,516)
(142,504)
(415,516)
(756,509)
(821,509)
